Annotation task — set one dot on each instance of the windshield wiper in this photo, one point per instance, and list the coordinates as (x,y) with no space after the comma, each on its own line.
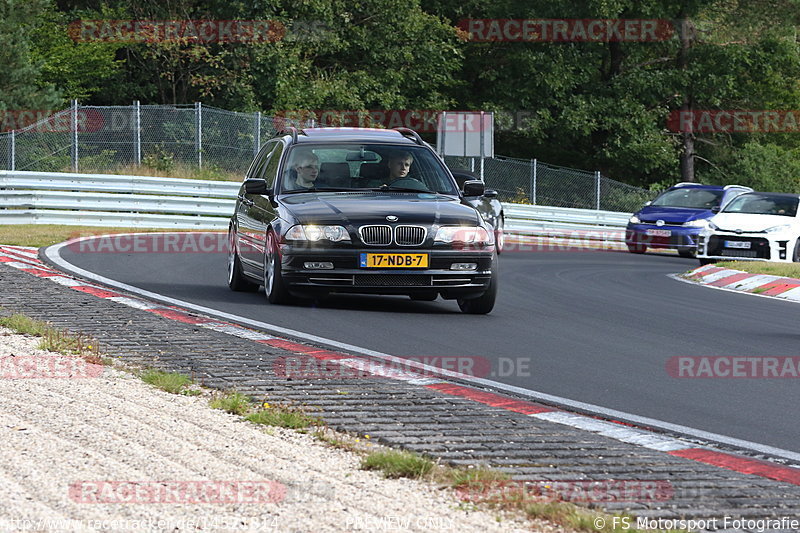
(399,189)
(322,189)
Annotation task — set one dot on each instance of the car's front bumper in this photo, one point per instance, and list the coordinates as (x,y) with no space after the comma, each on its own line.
(347,276)
(760,246)
(679,238)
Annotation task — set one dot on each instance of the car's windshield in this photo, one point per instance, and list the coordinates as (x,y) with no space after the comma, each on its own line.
(691,198)
(365,166)
(763,204)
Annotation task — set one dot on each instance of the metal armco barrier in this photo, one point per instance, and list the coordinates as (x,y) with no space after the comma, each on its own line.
(543,221)
(149,202)
(114,201)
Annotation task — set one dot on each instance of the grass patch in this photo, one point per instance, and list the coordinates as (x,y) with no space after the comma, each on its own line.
(177,170)
(397,464)
(56,340)
(172,382)
(25,325)
(466,477)
(788,270)
(39,235)
(284,416)
(232,402)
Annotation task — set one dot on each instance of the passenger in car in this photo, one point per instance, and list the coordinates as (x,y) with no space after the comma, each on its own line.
(304,172)
(399,165)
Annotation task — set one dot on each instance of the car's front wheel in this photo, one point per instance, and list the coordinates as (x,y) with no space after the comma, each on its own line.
(236,280)
(796,254)
(484,303)
(274,286)
(688,254)
(499,235)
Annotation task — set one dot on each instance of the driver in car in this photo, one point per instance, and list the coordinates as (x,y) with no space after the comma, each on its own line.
(306,170)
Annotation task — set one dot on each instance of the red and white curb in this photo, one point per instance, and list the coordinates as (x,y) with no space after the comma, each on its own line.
(26,259)
(736,280)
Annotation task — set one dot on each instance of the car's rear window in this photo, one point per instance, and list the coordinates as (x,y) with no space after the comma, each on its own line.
(366,166)
(763,204)
(690,198)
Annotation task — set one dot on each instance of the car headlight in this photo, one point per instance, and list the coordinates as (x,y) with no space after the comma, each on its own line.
(464,235)
(315,233)
(777,229)
(699,223)
(634,220)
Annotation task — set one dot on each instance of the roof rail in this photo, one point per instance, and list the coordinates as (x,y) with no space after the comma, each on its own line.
(409,132)
(685,183)
(740,186)
(290,130)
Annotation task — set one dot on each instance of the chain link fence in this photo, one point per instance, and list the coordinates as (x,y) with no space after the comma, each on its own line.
(120,139)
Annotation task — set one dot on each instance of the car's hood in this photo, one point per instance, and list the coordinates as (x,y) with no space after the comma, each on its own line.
(672,215)
(358,208)
(750,222)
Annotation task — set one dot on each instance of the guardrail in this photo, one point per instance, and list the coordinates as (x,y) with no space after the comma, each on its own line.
(150,202)
(115,201)
(544,221)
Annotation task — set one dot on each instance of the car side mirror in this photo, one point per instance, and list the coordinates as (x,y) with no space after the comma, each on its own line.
(647,203)
(474,188)
(715,209)
(257,186)
(490,193)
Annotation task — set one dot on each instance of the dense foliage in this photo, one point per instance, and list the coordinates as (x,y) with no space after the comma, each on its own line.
(598,105)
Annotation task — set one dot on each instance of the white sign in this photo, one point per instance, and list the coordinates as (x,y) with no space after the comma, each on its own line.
(465,134)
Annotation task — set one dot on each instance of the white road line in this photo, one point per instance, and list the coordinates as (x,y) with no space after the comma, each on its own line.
(53,254)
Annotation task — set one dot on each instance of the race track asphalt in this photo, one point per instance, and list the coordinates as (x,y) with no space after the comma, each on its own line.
(592,326)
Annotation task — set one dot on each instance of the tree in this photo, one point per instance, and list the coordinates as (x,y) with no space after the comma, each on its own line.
(22,85)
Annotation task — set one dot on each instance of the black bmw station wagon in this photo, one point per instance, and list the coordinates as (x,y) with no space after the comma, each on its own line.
(359,210)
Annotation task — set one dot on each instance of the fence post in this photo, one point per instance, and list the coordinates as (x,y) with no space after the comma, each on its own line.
(199,137)
(533,181)
(137,122)
(13,149)
(74,121)
(597,184)
(257,133)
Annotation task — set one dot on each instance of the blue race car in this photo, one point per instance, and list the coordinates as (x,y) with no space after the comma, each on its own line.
(675,218)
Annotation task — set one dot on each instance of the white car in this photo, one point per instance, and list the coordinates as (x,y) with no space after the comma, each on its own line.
(756,226)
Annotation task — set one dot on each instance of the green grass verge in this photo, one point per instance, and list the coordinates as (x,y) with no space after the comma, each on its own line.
(39,235)
(398,463)
(171,382)
(788,270)
(55,340)
(282,416)
(232,402)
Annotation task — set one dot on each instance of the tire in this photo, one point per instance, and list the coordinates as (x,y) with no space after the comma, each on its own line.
(688,254)
(704,261)
(636,248)
(274,286)
(484,303)
(796,254)
(236,280)
(499,235)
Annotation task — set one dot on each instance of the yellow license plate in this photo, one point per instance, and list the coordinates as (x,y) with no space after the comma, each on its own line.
(394,261)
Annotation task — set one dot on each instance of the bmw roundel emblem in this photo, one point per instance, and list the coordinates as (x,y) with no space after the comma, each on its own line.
(659,222)
(391,218)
